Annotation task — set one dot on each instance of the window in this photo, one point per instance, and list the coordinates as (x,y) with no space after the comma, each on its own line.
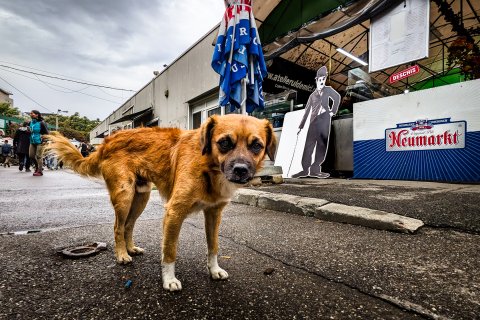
(216,110)
(200,111)
(197,120)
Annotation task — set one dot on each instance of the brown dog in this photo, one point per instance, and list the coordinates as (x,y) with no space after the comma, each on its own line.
(193,170)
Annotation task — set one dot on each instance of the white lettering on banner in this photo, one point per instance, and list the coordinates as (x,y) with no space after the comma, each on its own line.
(290,82)
(219,47)
(426,136)
(255,41)
(242,50)
(234,67)
(243,31)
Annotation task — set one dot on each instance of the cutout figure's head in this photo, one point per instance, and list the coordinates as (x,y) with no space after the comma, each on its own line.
(321,77)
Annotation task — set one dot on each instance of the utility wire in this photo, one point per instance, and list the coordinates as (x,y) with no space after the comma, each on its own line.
(73,91)
(48,84)
(64,79)
(43,71)
(25,95)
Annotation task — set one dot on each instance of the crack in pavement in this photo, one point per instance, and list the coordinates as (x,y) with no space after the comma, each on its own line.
(399,303)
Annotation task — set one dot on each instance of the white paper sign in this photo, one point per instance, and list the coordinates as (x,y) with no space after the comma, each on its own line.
(400,35)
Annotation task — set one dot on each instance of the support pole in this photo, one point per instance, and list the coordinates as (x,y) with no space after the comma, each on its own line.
(243,106)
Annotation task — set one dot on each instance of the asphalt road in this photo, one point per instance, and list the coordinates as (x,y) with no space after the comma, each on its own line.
(281,266)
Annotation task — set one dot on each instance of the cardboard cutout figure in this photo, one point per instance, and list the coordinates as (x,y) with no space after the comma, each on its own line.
(322,105)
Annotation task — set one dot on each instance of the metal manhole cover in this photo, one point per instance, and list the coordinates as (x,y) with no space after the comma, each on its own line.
(84,250)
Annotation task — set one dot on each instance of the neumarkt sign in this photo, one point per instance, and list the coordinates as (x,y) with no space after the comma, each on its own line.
(284,75)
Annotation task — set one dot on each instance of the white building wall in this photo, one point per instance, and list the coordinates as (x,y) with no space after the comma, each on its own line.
(186,79)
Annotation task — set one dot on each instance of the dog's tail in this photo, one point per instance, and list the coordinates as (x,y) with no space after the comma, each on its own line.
(70,156)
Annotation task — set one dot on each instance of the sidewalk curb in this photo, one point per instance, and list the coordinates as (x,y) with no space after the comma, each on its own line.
(328,211)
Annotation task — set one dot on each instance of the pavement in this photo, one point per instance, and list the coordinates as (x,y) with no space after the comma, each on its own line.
(394,205)
(283,264)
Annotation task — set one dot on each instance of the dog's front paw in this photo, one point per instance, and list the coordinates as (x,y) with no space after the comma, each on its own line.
(135,250)
(172,284)
(218,274)
(215,271)
(123,258)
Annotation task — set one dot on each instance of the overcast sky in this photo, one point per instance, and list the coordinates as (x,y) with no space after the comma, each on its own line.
(115,43)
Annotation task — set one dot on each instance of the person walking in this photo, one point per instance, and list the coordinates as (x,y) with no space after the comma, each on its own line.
(84,149)
(6,150)
(21,143)
(38,128)
(322,105)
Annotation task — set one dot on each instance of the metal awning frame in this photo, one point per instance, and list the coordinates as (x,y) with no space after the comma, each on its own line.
(314,53)
(132,116)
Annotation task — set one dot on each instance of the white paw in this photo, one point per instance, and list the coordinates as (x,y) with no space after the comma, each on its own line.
(215,271)
(172,284)
(218,274)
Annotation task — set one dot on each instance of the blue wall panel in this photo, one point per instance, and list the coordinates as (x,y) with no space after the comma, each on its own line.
(372,161)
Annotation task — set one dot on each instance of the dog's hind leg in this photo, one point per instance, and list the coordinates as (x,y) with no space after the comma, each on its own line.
(122,191)
(139,203)
(212,224)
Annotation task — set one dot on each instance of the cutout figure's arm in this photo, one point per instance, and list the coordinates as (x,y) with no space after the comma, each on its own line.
(336,99)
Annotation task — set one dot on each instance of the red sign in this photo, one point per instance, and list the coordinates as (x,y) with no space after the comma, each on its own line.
(404,74)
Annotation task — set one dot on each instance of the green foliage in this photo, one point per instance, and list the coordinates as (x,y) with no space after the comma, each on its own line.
(73,126)
(7,110)
(463,53)
(464,50)
(74,134)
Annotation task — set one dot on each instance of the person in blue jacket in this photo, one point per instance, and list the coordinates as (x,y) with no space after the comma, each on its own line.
(6,153)
(37,128)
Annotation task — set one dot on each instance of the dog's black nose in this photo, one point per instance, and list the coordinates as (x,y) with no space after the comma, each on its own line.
(240,170)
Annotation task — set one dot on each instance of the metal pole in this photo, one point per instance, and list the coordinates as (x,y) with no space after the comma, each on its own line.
(243,106)
(56,118)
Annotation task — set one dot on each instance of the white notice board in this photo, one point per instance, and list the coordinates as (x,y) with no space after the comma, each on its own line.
(399,35)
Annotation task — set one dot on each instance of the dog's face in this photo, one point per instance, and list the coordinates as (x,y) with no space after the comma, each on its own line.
(238,144)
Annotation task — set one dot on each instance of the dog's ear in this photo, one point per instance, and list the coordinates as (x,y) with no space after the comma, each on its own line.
(206,134)
(271,140)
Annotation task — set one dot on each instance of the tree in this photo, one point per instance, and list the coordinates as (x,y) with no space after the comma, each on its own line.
(7,110)
(74,126)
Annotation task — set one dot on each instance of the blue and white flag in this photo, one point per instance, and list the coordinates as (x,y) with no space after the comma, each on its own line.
(238,54)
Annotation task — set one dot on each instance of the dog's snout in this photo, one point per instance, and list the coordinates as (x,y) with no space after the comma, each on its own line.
(240,169)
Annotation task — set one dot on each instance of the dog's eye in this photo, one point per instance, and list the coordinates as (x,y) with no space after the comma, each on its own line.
(256,147)
(225,145)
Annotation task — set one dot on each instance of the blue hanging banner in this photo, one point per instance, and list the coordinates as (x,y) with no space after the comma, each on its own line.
(238,55)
